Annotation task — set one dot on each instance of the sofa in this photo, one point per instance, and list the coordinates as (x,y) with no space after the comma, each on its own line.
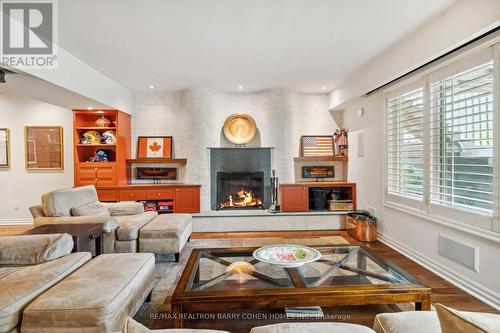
(30,265)
(46,288)
(443,320)
(121,221)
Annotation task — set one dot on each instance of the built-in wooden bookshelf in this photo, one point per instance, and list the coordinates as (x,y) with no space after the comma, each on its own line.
(112,172)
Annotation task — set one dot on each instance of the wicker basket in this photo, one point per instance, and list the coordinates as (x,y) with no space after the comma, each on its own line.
(334,205)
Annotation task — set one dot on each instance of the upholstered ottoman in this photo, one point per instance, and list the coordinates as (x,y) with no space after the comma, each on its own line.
(98,297)
(166,233)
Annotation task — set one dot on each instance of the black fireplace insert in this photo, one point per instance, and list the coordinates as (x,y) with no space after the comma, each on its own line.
(240,190)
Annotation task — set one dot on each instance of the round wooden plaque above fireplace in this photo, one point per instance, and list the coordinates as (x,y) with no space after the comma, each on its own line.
(240,128)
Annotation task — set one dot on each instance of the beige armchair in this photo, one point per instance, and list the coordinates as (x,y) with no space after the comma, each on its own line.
(121,221)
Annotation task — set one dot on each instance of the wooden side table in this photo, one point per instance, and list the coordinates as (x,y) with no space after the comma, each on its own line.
(86,237)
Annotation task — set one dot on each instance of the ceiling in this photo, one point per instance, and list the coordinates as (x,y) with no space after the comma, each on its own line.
(304,45)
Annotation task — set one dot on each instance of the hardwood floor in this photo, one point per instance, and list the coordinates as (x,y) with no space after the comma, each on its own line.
(9,230)
(442,291)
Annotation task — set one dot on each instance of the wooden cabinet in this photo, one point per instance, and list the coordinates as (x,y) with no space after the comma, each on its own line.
(294,198)
(187,200)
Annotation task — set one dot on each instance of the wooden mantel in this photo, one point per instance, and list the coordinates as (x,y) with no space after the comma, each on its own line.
(320,158)
(156,160)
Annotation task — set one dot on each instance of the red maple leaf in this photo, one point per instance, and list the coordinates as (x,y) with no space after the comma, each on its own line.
(155,146)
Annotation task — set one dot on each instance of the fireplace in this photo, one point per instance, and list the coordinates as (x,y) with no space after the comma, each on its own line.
(240,190)
(234,169)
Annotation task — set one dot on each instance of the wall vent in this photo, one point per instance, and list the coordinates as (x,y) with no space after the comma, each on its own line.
(458,252)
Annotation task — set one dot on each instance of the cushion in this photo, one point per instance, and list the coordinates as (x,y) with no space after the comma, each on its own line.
(128,226)
(20,285)
(92,209)
(131,326)
(34,249)
(60,202)
(312,328)
(407,322)
(166,226)
(453,321)
(124,208)
(98,297)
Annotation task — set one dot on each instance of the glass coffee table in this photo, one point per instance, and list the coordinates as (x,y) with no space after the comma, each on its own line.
(229,279)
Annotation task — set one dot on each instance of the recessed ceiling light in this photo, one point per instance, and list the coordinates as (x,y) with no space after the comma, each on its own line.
(151,87)
(240,87)
(89,108)
(323,88)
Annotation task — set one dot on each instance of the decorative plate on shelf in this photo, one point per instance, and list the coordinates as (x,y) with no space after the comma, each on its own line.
(286,255)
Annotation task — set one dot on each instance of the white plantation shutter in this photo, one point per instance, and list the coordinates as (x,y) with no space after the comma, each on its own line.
(461,139)
(442,142)
(405,147)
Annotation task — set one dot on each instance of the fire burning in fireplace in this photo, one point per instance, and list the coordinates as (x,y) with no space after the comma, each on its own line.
(243,198)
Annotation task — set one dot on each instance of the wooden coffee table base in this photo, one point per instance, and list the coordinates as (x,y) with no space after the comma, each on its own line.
(218,292)
(181,309)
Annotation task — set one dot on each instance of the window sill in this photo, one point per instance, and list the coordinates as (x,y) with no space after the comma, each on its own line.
(475,231)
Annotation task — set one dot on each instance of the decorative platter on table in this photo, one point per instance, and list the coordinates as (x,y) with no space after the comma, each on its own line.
(286,255)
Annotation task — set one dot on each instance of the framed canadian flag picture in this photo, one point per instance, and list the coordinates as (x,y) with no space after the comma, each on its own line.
(154,147)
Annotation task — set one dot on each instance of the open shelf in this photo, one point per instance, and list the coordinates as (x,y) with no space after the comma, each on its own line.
(99,145)
(320,158)
(95,128)
(157,160)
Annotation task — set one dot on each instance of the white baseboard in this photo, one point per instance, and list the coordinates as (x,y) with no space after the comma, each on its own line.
(16,221)
(477,290)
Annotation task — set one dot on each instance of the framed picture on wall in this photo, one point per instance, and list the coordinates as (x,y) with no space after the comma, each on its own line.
(44,147)
(4,148)
(316,145)
(154,147)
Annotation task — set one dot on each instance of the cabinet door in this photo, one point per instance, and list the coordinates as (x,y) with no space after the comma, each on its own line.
(107,195)
(161,194)
(294,198)
(98,174)
(132,195)
(187,200)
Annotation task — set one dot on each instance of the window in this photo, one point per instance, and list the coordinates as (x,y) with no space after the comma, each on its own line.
(441,142)
(461,139)
(405,149)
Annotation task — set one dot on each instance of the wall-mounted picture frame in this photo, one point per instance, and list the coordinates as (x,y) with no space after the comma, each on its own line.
(316,145)
(4,148)
(44,147)
(154,147)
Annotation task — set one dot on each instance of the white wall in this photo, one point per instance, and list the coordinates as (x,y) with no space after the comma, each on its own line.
(459,23)
(414,236)
(20,188)
(195,117)
(75,75)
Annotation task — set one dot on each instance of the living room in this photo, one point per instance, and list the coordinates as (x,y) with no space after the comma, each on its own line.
(226,166)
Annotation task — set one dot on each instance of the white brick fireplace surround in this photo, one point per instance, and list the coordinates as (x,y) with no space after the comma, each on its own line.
(194,117)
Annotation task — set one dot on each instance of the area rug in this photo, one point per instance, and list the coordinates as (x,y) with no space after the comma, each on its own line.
(168,271)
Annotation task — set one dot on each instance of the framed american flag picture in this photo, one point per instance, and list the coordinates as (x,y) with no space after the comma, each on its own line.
(316,145)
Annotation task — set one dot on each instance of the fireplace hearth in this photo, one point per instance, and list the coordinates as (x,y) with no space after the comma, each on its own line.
(240,190)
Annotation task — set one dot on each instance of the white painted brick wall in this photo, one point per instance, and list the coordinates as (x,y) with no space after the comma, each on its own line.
(194,117)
